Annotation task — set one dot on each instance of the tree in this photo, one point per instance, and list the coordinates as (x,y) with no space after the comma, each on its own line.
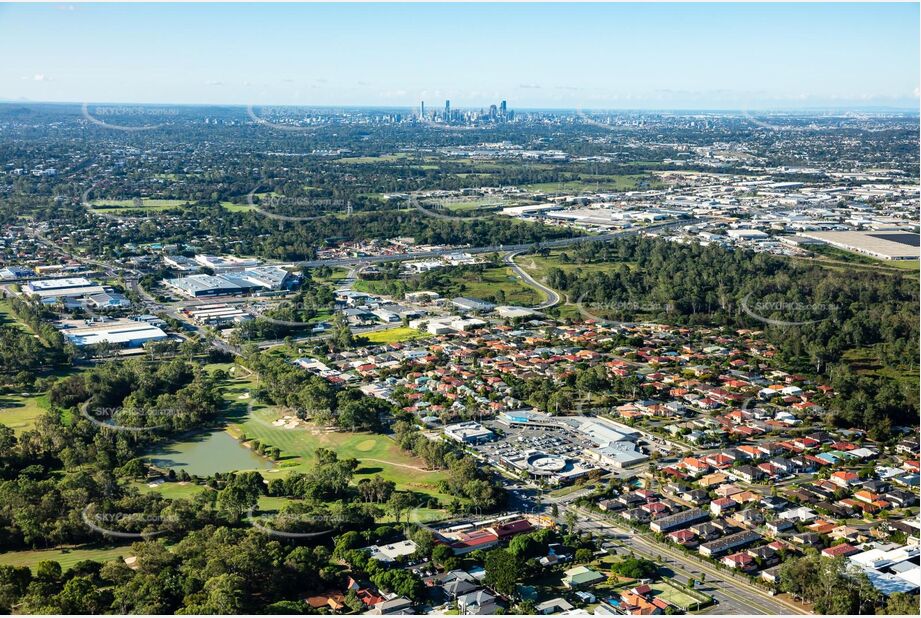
(80,596)
(583,555)
(424,540)
(502,571)
(635,568)
(376,489)
(830,584)
(901,603)
(241,494)
(400,502)
(13,584)
(524,546)
(223,594)
(441,554)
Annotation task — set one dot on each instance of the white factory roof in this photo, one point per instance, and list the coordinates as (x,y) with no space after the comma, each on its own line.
(60,284)
(885,244)
(115,332)
(604,433)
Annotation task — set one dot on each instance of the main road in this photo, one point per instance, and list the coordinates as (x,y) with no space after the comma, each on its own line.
(553,297)
(734,595)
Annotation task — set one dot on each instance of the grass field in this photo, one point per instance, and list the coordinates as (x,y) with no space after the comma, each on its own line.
(115,207)
(173,491)
(467,204)
(498,284)
(600,182)
(377,454)
(19,413)
(387,158)
(270,504)
(66,557)
(337,275)
(841,255)
(231,207)
(538,266)
(119,206)
(905,264)
(7,318)
(394,335)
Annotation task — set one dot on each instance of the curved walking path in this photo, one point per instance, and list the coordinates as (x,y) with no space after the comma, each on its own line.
(393,463)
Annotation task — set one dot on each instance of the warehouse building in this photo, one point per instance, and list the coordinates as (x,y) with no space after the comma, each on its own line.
(51,290)
(472,305)
(11,273)
(121,333)
(237,283)
(883,245)
(226,263)
(217,315)
(199,286)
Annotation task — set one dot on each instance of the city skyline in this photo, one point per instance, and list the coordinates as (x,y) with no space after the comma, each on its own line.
(623,56)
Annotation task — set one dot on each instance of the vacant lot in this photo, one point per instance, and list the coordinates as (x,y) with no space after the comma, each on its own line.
(394,335)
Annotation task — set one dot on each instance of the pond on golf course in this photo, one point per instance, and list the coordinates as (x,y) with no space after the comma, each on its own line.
(206,453)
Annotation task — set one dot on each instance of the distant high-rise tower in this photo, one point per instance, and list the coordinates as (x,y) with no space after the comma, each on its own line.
(422,110)
(503,108)
(447,109)
(493,111)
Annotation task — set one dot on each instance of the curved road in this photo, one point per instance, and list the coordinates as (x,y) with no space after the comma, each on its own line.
(553,297)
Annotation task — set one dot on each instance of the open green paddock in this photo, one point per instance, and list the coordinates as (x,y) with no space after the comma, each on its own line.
(66,557)
(124,206)
(497,284)
(19,412)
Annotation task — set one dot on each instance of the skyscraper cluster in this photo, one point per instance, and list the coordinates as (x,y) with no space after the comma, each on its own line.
(495,113)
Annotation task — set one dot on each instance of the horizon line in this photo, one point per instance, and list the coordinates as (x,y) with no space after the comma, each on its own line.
(360,106)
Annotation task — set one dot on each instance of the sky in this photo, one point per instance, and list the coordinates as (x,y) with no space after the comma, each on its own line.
(575,56)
